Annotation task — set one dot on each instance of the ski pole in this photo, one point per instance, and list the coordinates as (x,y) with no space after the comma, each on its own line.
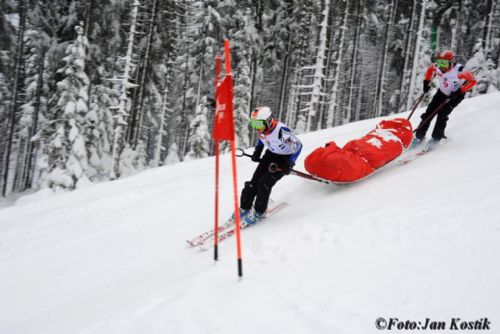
(429,118)
(416,105)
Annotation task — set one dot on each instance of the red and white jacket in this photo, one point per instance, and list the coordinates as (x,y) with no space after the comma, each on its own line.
(452,80)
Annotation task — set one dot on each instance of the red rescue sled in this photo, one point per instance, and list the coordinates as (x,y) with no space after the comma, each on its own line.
(361,157)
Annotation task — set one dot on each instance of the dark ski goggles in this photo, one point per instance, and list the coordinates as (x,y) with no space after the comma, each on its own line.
(442,63)
(257,124)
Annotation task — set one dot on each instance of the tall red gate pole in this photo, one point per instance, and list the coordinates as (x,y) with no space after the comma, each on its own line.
(227,58)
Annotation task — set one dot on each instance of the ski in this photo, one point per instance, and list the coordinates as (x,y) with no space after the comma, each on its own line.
(429,146)
(204,236)
(226,225)
(227,233)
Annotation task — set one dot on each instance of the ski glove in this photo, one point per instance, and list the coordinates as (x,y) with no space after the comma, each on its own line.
(287,167)
(256,153)
(427,85)
(457,96)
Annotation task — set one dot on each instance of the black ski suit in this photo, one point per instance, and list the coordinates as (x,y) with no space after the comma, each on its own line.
(442,115)
(260,186)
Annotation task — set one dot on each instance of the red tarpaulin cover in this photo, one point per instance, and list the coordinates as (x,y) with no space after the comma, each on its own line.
(360,157)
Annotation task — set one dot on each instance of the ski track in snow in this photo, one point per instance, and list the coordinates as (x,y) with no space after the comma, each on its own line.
(413,242)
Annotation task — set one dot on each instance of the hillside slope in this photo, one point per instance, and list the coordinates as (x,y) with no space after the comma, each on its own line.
(412,242)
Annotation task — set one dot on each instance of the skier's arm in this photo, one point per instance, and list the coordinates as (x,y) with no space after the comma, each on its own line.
(470,81)
(429,73)
(257,151)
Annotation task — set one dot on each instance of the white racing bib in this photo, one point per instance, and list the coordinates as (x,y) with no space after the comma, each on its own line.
(281,140)
(449,81)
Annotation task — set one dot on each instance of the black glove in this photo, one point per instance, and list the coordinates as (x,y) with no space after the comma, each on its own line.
(256,153)
(457,96)
(287,167)
(427,85)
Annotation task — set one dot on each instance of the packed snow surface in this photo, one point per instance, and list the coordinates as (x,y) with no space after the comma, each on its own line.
(411,242)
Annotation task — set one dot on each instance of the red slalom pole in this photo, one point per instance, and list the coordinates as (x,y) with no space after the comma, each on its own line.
(227,58)
(236,210)
(216,227)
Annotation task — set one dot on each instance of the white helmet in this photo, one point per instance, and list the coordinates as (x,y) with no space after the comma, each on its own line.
(261,118)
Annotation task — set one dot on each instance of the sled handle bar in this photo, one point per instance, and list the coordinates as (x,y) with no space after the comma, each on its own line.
(241,153)
(273,167)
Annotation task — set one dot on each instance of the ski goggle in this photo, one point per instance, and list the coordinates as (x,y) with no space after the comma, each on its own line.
(257,124)
(443,63)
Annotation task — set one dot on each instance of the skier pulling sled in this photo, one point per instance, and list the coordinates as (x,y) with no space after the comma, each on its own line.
(454,82)
(282,150)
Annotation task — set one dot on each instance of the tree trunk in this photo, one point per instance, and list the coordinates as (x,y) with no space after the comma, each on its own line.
(379,96)
(284,78)
(256,56)
(161,132)
(142,83)
(123,99)
(332,107)
(354,63)
(488,23)
(317,85)
(31,164)
(329,70)
(405,72)
(15,92)
(416,57)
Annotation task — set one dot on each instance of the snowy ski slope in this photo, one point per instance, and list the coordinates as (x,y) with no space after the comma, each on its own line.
(412,242)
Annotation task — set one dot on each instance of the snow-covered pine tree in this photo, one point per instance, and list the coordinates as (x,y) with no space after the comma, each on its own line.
(242,97)
(199,138)
(303,29)
(34,109)
(123,108)
(187,69)
(135,132)
(162,128)
(484,70)
(173,155)
(99,132)
(68,156)
(491,35)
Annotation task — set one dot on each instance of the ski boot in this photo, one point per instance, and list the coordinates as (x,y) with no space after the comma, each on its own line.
(416,143)
(432,144)
(242,212)
(253,217)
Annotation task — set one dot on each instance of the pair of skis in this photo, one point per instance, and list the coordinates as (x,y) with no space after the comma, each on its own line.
(428,146)
(205,240)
